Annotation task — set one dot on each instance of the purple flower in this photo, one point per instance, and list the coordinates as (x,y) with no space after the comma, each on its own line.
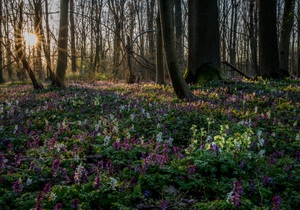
(237,193)
(18,159)
(109,167)
(2,157)
(55,165)
(267,180)
(38,206)
(65,174)
(298,156)
(100,166)
(238,188)
(97,183)
(164,205)
(39,197)
(58,206)
(242,165)
(276,202)
(191,170)
(47,188)
(17,186)
(236,200)
(75,203)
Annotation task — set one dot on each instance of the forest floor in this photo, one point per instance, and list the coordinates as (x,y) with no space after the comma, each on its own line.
(118,146)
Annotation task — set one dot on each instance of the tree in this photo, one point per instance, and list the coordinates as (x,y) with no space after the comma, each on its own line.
(20,49)
(72,33)
(1,48)
(180,86)
(204,41)
(287,25)
(268,47)
(159,53)
(62,57)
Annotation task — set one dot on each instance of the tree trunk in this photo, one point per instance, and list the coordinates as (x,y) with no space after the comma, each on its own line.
(159,53)
(150,16)
(204,41)
(37,29)
(180,87)
(179,32)
(1,46)
(62,57)
(253,39)
(298,26)
(21,50)
(72,33)
(268,54)
(287,25)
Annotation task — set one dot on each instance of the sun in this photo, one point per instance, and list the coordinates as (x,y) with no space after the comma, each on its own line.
(30,39)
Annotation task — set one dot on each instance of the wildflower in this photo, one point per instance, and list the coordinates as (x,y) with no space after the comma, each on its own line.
(164,205)
(113,182)
(261,153)
(159,137)
(75,203)
(17,186)
(58,206)
(147,193)
(97,183)
(267,180)
(2,161)
(18,158)
(80,174)
(38,206)
(47,188)
(65,174)
(52,196)
(109,167)
(55,166)
(29,182)
(298,156)
(235,195)
(192,170)
(106,140)
(276,202)
(100,166)
(39,197)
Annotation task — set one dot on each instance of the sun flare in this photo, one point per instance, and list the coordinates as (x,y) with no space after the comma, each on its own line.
(30,39)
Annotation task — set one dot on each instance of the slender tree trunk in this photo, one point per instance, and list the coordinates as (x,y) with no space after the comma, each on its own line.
(72,33)
(150,16)
(20,49)
(298,26)
(268,47)
(253,39)
(180,86)
(1,46)
(159,53)
(37,27)
(179,32)
(233,32)
(62,57)
(287,25)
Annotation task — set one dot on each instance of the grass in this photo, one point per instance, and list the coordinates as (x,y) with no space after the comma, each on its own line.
(118,146)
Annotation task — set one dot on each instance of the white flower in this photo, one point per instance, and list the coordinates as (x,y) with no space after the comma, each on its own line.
(260,142)
(262,153)
(29,182)
(255,109)
(259,134)
(106,140)
(170,140)
(158,126)
(111,116)
(249,155)
(229,197)
(159,137)
(132,116)
(148,115)
(298,137)
(113,182)
(52,196)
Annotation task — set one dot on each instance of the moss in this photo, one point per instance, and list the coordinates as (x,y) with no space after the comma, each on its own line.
(206,74)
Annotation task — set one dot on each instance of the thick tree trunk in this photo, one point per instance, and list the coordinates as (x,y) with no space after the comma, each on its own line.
(180,87)
(159,53)
(287,25)
(204,41)
(268,47)
(62,57)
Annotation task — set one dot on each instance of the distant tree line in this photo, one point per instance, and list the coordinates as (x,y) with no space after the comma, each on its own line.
(149,40)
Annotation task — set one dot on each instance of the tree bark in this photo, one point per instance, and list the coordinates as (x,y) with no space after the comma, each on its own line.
(268,53)
(180,86)
(21,50)
(1,46)
(159,54)
(62,57)
(287,25)
(253,39)
(72,33)
(179,32)
(204,41)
